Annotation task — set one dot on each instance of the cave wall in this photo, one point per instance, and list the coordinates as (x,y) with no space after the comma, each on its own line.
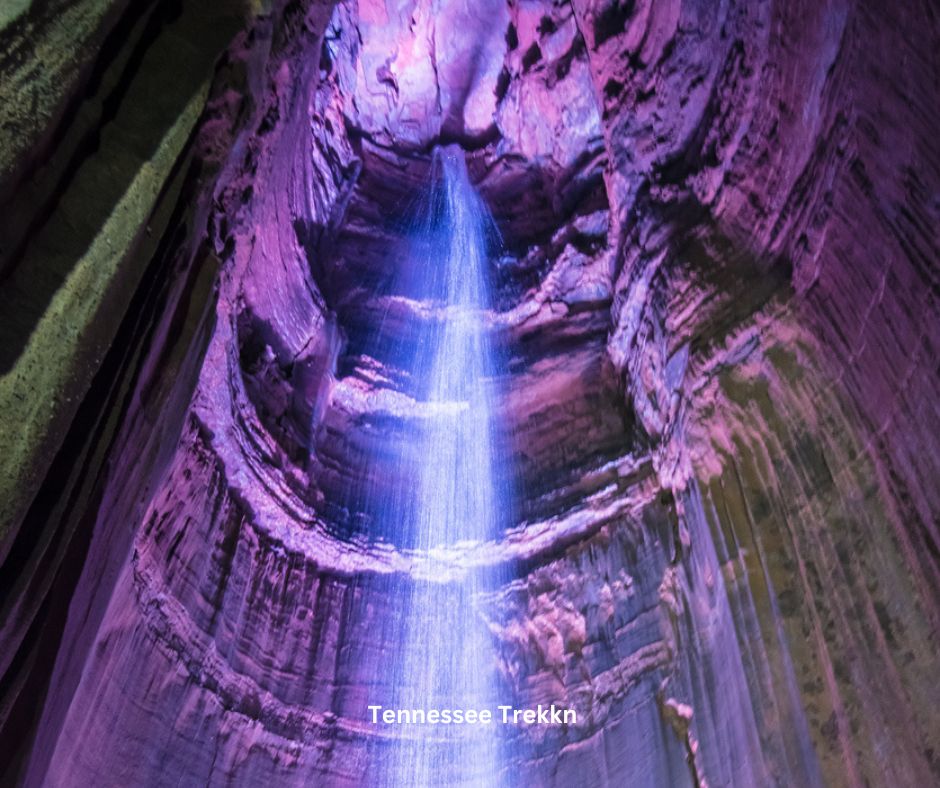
(719,297)
(795,421)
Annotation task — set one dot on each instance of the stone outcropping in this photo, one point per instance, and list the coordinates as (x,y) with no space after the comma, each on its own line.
(718,297)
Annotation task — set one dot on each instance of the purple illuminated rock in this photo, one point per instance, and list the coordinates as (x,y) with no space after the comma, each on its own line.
(718,299)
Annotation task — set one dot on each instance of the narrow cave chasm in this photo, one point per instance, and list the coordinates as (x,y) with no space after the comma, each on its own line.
(514,354)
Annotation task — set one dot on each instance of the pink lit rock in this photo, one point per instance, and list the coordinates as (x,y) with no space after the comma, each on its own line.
(718,301)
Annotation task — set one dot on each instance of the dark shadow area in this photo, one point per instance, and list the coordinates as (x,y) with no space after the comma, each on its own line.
(17,44)
(48,556)
(169,62)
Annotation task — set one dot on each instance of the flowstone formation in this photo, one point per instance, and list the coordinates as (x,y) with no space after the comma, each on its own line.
(716,295)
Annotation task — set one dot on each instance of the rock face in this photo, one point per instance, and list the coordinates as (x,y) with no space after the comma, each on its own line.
(719,299)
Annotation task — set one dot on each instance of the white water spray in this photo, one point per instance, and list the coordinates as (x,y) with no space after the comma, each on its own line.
(447,659)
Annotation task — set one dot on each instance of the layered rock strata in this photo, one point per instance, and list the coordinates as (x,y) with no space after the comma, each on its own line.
(718,297)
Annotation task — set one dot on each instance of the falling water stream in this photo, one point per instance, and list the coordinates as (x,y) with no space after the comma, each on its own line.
(453,497)
(446,658)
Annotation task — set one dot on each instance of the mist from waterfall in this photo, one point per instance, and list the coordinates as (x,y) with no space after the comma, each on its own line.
(446,658)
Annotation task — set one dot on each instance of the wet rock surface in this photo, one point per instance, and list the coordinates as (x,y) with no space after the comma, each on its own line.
(718,298)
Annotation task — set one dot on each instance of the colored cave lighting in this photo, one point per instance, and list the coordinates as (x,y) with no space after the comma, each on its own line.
(446,649)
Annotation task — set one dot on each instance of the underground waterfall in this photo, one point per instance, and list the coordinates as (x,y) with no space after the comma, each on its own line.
(452,495)
(292,437)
